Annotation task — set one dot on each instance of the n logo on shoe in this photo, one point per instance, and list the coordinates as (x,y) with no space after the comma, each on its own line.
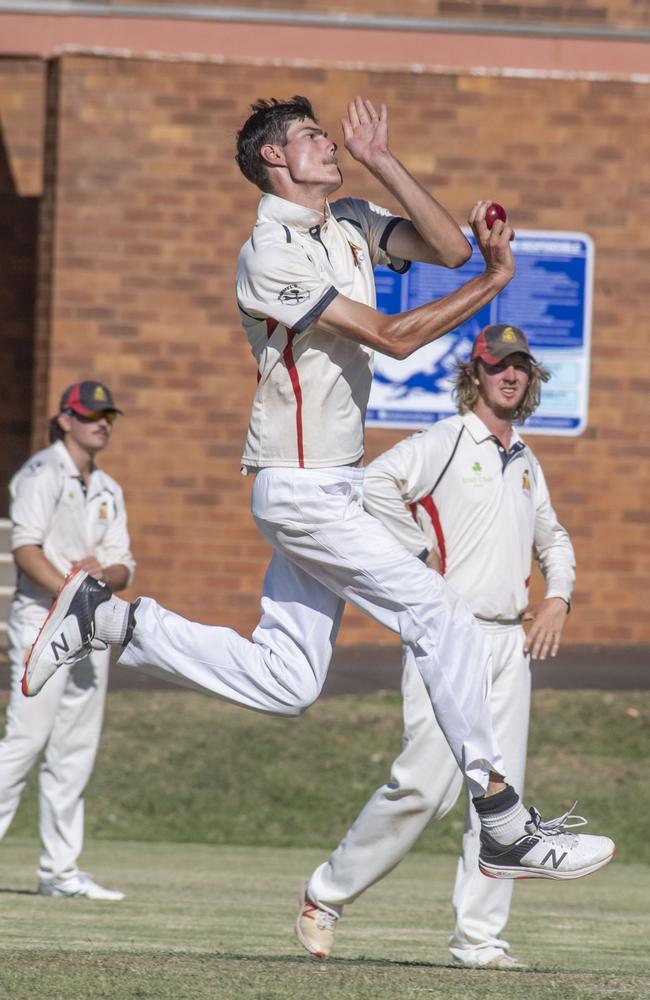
(553,858)
(59,647)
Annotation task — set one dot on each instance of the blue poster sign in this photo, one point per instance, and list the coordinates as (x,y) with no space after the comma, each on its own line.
(549,298)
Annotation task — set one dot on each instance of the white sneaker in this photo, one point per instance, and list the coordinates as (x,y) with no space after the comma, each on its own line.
(315,928)
(501,961)
(79,886)
(547,850)
(68,632)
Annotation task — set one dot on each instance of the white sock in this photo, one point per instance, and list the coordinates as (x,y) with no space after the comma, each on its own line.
(506,826)
(111,620)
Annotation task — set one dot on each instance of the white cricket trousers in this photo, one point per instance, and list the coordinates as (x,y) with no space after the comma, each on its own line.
(328,550)
(64,723)
(424,784)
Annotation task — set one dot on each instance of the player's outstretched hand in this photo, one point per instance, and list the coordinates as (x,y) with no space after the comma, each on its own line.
(365,133)
(493,243)
(548,620)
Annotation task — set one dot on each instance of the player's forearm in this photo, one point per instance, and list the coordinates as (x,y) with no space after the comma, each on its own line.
(30,560)
(400,335)
(383,499)
(116,576)
(404,333)
(441,234)
(559,579)
(556,558)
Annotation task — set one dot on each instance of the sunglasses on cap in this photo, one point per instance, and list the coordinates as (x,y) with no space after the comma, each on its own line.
(92,418)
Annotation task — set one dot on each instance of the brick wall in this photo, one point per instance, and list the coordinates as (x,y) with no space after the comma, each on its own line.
(22,90)
(145,212)
(576,13)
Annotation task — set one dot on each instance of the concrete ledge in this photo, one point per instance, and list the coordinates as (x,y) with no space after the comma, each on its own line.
(602,668)
(363,669)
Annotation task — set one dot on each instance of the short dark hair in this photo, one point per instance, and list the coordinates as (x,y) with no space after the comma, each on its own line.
(267,124)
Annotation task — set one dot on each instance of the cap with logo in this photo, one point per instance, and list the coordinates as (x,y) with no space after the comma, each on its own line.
(497,341)
(87,397)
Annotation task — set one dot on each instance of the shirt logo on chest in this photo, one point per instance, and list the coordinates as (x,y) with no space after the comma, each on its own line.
(477,476)
(103,511)
(358,255)
(525,481)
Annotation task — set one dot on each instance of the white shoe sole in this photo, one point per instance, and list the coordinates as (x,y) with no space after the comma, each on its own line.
(521,872)
(105,897)
(32,684)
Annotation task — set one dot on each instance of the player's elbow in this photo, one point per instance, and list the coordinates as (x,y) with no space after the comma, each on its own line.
(392,351)
(459,255)
(399,348)
(456,254)
(393,340)
(402,351)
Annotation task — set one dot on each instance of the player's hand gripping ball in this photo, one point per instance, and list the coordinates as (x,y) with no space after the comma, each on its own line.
(494,212)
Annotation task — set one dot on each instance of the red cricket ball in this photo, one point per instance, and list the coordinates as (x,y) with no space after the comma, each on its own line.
(494,212)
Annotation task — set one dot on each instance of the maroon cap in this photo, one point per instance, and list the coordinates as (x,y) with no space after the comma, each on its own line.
(496,342)
(86,398)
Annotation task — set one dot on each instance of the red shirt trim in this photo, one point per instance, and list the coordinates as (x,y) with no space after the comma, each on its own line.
(289,361)
(428,504)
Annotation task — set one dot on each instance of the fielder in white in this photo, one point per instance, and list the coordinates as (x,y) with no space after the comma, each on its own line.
(306,296)
(66,513)
(469,498)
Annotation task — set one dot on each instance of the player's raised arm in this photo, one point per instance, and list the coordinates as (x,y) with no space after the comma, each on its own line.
(400,335)
(432,236)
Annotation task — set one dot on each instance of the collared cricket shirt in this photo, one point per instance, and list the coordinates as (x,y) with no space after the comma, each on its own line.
(313,387)
(453,489)
(51,507)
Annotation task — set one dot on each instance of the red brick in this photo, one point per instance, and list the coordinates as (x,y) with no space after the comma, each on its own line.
(141,220)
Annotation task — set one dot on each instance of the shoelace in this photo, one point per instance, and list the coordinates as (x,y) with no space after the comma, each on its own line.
(90,644)
(556,828)
(324,920)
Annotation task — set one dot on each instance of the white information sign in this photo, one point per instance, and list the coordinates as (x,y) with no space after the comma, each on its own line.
(549,298)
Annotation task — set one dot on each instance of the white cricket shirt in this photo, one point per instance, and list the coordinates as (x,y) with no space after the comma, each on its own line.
(50,507)
(485,517)
(310,405)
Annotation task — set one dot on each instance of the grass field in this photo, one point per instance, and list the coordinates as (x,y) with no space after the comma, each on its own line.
(175,766)
(205,922)
(181,777)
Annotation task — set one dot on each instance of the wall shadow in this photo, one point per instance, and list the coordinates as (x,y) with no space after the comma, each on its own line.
(18,268)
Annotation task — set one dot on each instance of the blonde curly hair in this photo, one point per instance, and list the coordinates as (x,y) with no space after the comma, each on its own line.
(466,392)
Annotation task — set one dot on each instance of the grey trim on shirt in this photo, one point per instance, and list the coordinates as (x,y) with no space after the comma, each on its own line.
(328,296)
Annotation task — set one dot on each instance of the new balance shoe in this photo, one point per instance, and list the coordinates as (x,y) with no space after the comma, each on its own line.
(68,631)
(315,928)
(79,886)
(547,850)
